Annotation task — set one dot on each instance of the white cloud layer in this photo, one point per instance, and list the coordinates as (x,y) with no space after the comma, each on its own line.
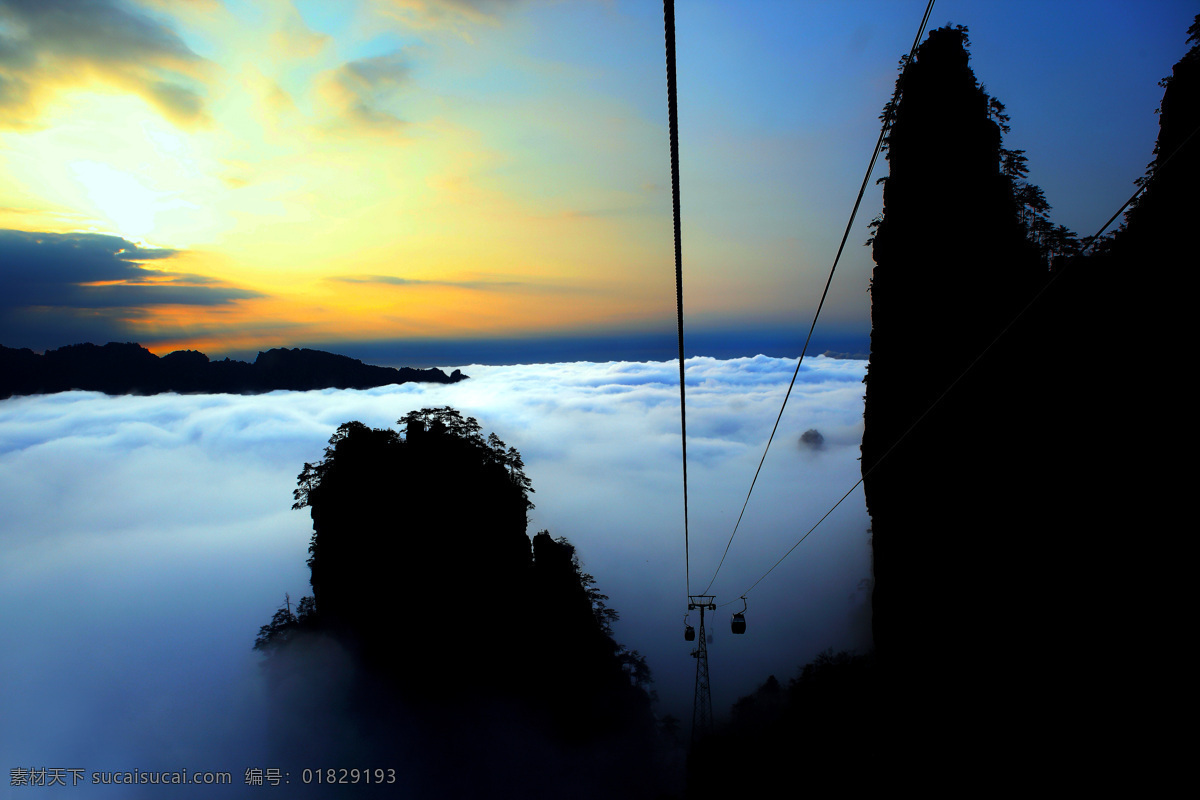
(145,539)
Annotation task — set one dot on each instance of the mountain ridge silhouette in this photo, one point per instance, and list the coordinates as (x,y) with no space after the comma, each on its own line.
(128,368)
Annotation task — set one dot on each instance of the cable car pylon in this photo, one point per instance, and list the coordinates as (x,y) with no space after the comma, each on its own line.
(702,704)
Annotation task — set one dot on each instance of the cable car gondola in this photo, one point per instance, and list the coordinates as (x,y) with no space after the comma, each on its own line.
(738,623)
(689,633)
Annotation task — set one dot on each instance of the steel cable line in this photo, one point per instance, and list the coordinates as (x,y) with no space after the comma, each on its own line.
(845,235)
(1092,242)
(673,120)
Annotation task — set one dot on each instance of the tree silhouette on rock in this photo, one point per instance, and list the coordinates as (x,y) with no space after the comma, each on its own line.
(437,516)
(434,519)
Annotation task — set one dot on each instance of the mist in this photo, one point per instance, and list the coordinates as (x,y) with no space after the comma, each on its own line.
(144,540)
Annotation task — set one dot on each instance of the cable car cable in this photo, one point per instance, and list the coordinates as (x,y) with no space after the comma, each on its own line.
(887,122)
(673,122)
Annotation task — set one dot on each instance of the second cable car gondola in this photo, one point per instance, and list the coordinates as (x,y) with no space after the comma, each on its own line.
(738,623)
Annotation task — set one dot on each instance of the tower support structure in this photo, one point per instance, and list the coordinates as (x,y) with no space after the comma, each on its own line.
(702,717)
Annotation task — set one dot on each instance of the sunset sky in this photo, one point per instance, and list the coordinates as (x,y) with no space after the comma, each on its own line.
(387,177)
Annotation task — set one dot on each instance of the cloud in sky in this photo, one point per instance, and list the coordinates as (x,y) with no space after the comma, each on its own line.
(362,92)
(489,284)
(51,279)
(458,16)
(49,45)
(147,538)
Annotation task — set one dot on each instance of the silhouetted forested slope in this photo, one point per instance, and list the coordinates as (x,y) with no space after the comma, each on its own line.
(818,734)
(482,661)
(132,369)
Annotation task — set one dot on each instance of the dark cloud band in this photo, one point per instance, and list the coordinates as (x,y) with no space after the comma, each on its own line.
(90,282)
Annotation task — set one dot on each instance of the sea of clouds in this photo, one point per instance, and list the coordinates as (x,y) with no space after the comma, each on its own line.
(144,540)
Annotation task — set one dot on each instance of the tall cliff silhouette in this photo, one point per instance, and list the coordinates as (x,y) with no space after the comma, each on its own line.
(1009,521)
(953,267)
(499,634)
